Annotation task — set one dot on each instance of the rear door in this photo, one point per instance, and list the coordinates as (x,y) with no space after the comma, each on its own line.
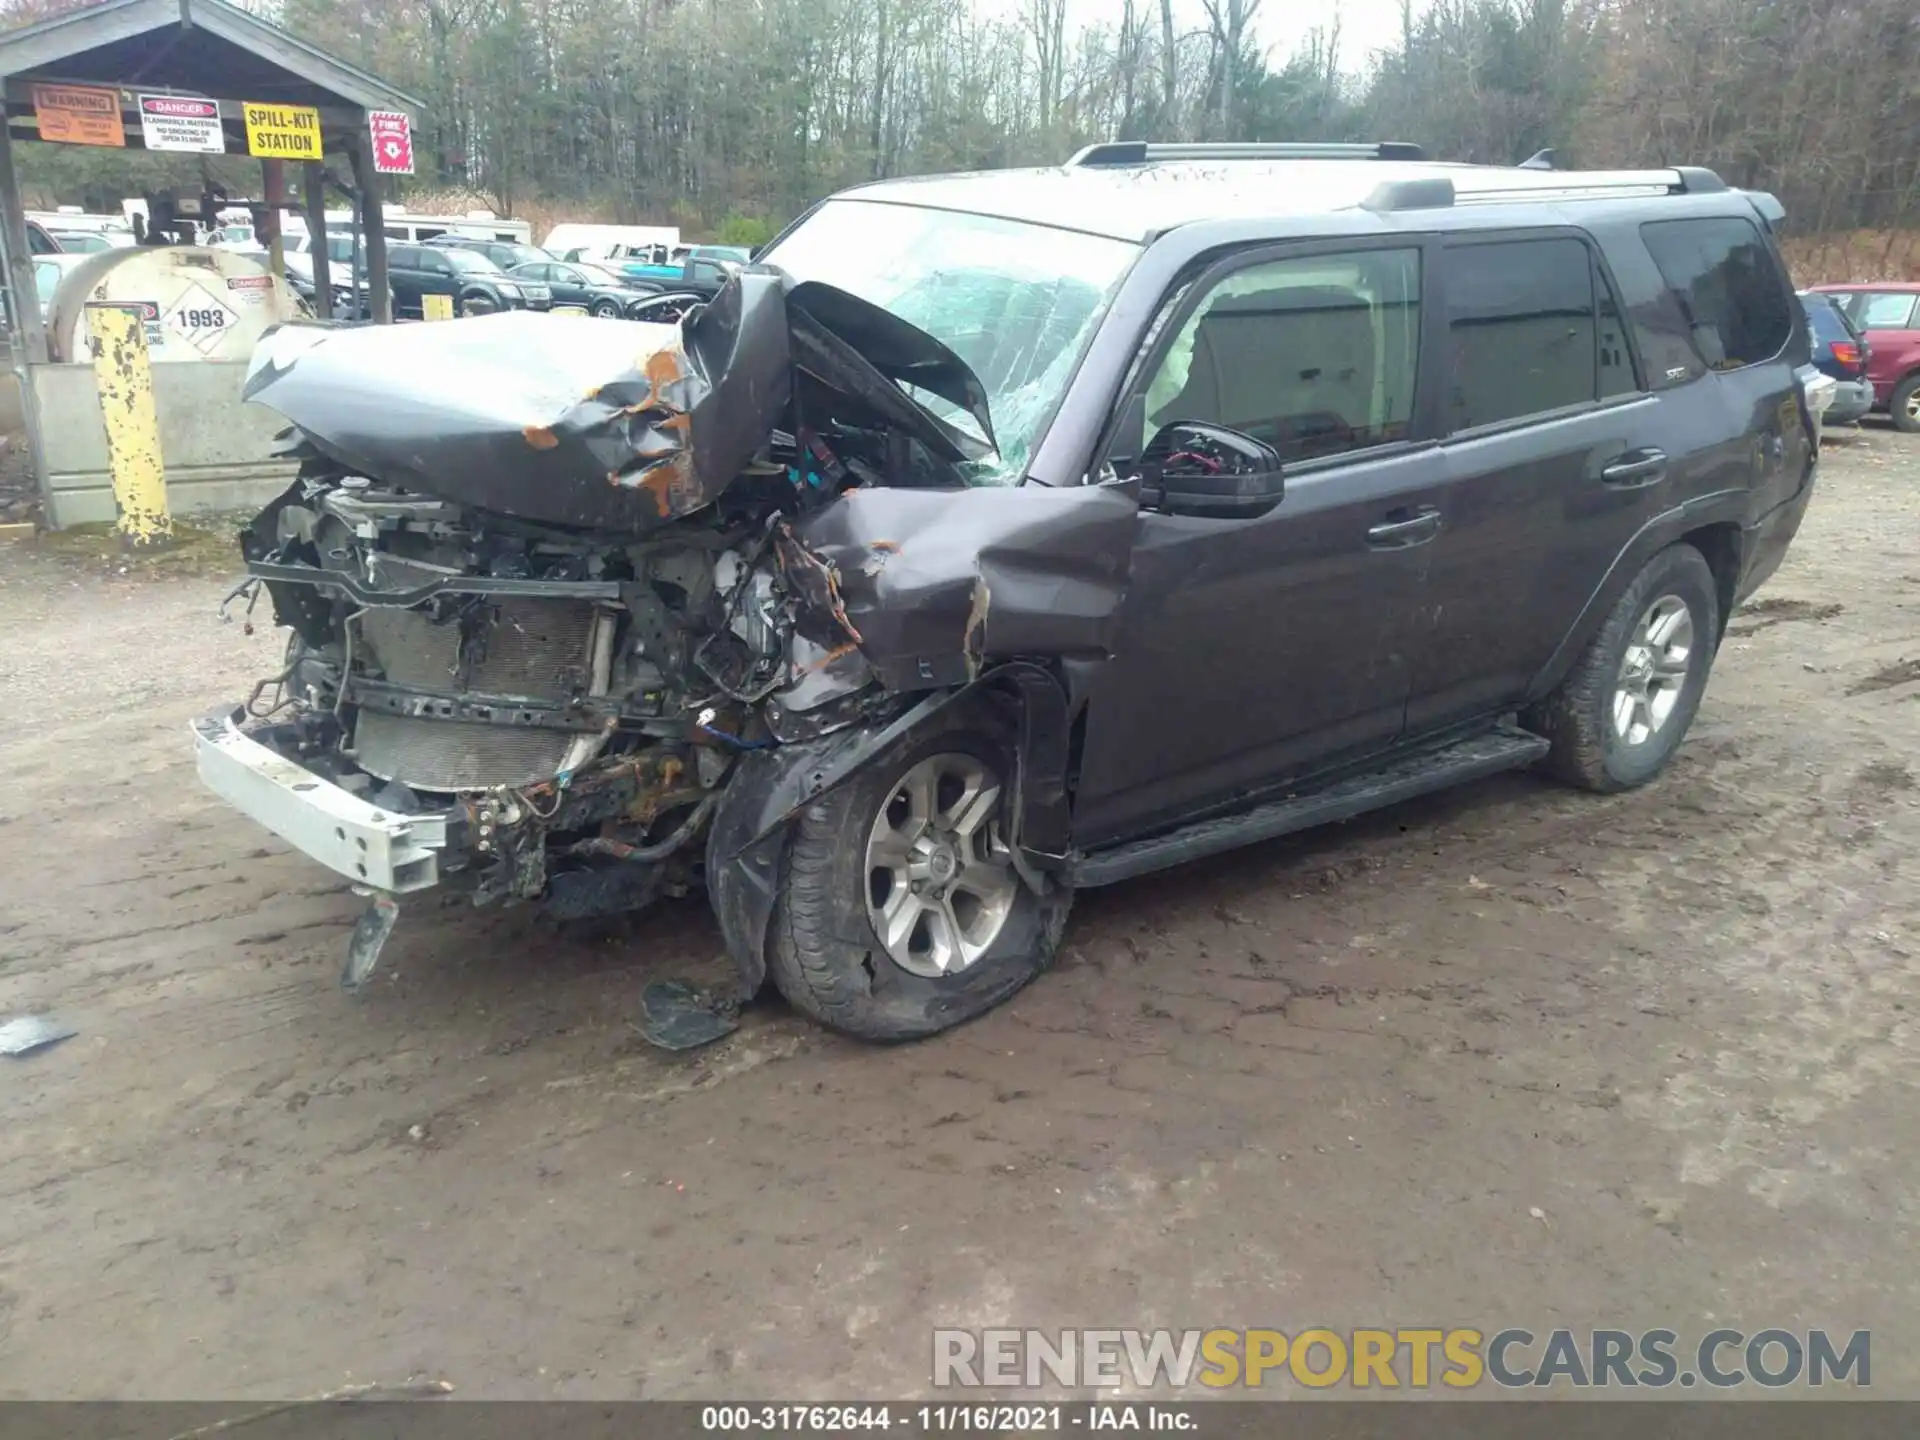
(404,277)
(1552,462)
(1566,446)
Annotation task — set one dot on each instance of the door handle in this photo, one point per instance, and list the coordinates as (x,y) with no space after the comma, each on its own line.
(1636,468)
(1404,528)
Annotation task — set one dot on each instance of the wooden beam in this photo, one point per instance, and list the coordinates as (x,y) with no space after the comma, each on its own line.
(333,118)
(373,224)
(313,180)
(31,324)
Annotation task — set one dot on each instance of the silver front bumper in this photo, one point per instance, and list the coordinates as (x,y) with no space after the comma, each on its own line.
(370,846)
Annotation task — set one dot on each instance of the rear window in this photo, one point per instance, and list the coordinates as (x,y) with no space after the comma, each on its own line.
(1733,301)
(1827,323)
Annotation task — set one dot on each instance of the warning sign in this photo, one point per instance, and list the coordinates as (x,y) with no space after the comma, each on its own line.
(78,115)
(200,318)
(249,290)
(282,132)
(392,142)
(176,122)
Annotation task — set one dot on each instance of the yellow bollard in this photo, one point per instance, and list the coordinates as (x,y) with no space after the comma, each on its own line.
(117,335)
(436,307)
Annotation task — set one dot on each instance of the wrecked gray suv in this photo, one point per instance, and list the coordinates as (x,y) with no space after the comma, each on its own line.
(1006,534)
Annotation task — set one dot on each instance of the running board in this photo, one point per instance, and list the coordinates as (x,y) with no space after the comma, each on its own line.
(1487,753)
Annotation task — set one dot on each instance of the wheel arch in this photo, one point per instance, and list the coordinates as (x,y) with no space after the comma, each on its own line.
(1711,523)
(768,789)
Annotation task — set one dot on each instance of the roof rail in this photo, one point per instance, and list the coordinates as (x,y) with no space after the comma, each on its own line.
(1438,191)
(1140,152)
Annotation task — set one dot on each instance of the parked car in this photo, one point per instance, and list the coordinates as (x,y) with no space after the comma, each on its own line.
(50,270)
(697,275)
(81,242)
(905,590)
(476,285)
(507,254)
(594,288)
(1841,354)
(1887,317)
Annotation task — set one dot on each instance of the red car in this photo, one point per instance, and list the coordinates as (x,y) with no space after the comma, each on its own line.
(1888,315)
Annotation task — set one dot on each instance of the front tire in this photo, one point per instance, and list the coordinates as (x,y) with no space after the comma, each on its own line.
(1905,405)
(1618,717)
(900,913)
(477,304)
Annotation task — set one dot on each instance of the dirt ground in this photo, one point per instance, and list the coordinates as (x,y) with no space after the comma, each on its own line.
(1513,1056)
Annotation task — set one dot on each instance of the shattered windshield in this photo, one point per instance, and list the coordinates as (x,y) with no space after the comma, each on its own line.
(1017,302)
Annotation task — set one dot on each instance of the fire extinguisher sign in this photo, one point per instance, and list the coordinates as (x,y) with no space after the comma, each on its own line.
(392,136)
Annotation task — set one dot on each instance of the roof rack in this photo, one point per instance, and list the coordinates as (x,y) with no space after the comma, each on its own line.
(1139,152)
(1438,191)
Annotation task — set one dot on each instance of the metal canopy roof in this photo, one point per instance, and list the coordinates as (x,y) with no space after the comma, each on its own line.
(208,47)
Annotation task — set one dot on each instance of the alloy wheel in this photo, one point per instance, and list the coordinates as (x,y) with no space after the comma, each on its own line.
(1653,671)
(940,878)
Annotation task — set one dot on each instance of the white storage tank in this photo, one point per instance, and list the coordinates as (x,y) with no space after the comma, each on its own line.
(200,303)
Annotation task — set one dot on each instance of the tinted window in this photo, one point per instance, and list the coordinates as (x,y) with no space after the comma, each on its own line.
(1729,290)
(1315,355)
(404,257)
(1890,311)
(1522,329)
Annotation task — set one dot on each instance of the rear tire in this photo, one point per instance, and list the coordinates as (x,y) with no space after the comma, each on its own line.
(824,952)
(1905,405)
(1618,717)
(606,310)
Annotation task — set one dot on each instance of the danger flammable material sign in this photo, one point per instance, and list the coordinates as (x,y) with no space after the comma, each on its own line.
(180,122)
(282,132)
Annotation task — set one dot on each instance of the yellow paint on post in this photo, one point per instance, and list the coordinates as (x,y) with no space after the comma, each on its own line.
(436,307)
(124,375)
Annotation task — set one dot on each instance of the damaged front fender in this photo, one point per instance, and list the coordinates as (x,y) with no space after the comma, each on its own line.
(939,584)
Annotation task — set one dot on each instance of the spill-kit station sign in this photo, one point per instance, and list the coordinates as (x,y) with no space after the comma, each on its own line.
(282,132)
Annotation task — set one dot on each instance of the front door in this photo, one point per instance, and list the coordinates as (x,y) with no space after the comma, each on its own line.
(1253,650)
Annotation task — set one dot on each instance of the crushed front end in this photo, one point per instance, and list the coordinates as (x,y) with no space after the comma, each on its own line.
(552,585)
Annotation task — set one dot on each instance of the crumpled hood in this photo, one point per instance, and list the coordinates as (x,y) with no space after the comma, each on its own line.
(605,423)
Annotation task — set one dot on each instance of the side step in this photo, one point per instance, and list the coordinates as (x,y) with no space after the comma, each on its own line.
(1487,753)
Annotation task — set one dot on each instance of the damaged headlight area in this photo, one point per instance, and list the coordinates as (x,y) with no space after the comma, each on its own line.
(571,704)
(551,581)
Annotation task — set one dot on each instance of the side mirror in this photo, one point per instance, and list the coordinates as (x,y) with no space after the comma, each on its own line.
(1192,468)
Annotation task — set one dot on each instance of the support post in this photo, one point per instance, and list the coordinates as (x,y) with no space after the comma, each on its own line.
(117,335)
(30,326)
(313,181)
(273,185)
(373,221)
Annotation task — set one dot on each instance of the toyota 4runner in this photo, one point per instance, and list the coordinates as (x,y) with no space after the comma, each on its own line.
(996,536)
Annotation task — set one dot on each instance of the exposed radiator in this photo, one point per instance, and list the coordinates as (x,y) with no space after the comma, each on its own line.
(536,649)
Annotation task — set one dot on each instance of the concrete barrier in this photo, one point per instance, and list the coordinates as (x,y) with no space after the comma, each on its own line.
(217,451)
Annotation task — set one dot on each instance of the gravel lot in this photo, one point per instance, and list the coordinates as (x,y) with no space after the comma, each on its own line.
(1509,1056)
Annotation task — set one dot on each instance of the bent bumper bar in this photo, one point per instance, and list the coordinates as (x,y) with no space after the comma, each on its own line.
(368,845)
